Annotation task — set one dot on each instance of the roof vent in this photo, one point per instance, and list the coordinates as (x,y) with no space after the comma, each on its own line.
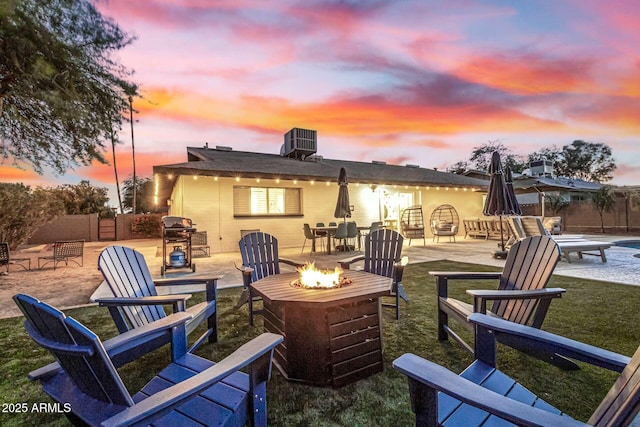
(409,165)
(223,148)
(299,143)
(378,162)
(314,158)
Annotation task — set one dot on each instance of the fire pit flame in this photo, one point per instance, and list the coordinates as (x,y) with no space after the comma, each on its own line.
(314,278)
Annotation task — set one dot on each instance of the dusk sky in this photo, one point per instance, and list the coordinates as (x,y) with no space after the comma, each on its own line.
(419,82)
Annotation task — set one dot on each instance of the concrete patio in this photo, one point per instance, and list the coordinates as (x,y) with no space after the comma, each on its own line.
(621,266)
(71,286)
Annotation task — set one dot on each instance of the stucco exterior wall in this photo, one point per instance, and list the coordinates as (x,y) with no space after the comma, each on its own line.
(209,204)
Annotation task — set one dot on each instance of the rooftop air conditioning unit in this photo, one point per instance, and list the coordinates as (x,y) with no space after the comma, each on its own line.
(300,143)
(541,168)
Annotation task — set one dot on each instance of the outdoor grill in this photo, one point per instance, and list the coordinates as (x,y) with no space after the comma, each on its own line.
(176,232)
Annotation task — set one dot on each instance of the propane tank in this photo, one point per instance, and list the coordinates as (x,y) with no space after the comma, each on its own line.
(177,258)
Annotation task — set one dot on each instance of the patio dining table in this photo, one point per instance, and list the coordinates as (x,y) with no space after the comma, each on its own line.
(330,231)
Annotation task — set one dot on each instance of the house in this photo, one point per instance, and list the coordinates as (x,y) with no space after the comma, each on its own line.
(227,192)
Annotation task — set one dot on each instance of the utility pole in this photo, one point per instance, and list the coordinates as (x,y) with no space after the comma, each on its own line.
(115,170)
(133,150)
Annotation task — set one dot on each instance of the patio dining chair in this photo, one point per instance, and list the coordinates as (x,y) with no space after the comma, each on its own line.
(340,237)
(309,235)
(353,234)
(321,233)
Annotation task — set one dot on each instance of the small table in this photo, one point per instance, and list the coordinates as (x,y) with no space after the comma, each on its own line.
(332,336)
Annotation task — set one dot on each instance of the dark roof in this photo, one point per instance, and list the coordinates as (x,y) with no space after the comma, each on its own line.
(545,183)
(225,162)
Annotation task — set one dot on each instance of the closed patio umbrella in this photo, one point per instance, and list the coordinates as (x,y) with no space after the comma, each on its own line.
(498,201)
(343,209)
(508,180)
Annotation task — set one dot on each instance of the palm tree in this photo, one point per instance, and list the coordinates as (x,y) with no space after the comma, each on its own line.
(604,201)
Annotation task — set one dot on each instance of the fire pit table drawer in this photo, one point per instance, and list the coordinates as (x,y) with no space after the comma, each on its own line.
(354,325)
(354,338)
(355,369)
(356,350)
(346,312)
(372,359)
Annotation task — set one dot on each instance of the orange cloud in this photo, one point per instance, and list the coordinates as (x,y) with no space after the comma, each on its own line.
(529,73)
(350,116)
(124,161)
(13,174)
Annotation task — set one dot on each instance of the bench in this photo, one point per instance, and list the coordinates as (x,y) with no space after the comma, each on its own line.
(7,259)
(64,250)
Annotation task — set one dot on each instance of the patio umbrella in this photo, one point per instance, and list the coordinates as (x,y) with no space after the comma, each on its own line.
(498,201)
(508,180)
(343,209)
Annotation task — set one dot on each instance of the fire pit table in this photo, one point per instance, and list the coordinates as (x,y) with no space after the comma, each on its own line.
(331,336)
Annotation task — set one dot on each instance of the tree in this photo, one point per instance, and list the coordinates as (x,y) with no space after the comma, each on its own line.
(23,211)
(84,198)
(555,203)
(62,96)
(604,201)
(144,195)
(553,154)
(458,168)
(580,160)
(586,160)
(481,156)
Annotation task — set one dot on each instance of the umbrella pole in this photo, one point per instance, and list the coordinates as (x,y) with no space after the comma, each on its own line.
(502,254)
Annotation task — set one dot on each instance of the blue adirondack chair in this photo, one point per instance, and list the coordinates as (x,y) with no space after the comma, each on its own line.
(383,256)
(260,259)
(136,301)
(189,391)
(483,395)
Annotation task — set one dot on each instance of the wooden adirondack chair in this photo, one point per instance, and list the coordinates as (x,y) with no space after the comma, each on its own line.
(521,297)
(136,301)
(260,259)
(189,391)
(383,256)
(483,395)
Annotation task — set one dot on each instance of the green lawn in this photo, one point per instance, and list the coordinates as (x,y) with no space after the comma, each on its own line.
(599,313)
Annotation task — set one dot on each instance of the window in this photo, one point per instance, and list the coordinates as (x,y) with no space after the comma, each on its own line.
(267,201)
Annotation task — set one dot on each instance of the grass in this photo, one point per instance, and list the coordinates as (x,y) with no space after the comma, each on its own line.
(599,313)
